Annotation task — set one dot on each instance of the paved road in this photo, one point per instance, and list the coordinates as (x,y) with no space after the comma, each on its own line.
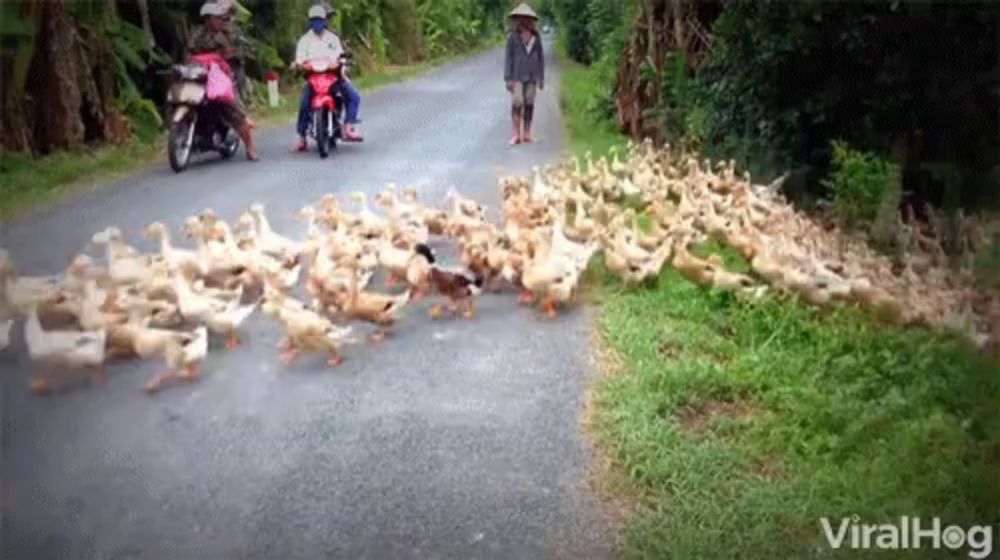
(452,440)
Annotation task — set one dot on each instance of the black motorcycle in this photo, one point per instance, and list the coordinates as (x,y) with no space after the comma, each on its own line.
(195,123)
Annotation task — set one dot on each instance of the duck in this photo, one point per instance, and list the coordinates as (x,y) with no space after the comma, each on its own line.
(398,209)
(462,206)
(94,315)
(221,317)
(549,277)
(307,215)
(540,190)
(369,223)
(305,329)
(397,263)
(125,265)
(22,292)
(378,309)
(174,257)
(268,241)
(640,272)
(62,349)
(579,253)
(695,269)
(458,286)
(182,352)
(217,248)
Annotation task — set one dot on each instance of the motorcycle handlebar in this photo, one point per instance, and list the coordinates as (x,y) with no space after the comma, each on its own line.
(307,67)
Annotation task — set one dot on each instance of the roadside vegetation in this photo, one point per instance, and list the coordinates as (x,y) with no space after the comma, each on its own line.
(739,425)
(95,108)
(28,182)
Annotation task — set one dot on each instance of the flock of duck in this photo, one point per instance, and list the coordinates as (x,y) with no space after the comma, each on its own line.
(641,212)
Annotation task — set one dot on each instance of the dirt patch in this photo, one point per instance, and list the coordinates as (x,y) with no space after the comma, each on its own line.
(668,349)
(695,419)
(769,468)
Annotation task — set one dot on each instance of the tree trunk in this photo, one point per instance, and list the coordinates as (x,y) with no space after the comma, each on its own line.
(15,107)
(679,16)
(55,85)
(147,28)
(71,82)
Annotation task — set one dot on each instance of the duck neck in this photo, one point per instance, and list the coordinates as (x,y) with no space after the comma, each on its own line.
(109,251)
(355,273)
(263,225)
(166,247)
(33,327)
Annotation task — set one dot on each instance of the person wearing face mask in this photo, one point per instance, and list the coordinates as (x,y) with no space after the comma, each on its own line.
(319,43)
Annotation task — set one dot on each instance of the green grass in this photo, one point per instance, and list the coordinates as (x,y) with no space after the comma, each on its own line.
(740,424)
(813,416)
(27,183)
(583,130)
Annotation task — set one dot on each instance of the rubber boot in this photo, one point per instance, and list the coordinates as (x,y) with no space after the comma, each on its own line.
(529,114)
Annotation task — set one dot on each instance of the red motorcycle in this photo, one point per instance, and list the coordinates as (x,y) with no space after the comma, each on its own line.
(325,126)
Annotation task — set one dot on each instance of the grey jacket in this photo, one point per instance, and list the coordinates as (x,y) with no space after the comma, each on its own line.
(521,66)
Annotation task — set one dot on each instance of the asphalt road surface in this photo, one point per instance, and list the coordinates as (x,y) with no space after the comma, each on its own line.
(453,439)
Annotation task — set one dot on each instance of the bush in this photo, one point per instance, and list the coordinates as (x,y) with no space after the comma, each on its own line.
(573,16)
(403,23)
(862,185)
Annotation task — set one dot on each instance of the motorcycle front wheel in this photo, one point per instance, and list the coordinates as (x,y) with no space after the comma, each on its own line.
(180,143)
(321,126)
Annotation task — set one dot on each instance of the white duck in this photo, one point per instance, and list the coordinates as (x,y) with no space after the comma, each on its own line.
(70,349)
(175,258)
(268,241)
(183,352)
(221,317)
(369,222)
(540,190)
(579,253)
(125,265)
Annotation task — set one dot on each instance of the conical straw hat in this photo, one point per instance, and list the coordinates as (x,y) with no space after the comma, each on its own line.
(523,10)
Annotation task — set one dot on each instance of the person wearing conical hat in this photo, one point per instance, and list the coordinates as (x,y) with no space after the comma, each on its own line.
(214,36)
(524,70)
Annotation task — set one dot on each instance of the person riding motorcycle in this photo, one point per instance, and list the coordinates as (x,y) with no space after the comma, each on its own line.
(212,37)
(319,43)
(241,43)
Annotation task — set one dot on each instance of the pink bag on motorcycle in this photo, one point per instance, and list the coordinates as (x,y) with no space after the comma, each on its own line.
(219,86)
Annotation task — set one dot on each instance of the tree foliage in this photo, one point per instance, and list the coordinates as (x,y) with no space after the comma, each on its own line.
(113,54)
(916,82)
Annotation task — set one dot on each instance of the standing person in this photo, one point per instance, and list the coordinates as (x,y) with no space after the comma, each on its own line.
(211,37)
(524,71)
(319,43)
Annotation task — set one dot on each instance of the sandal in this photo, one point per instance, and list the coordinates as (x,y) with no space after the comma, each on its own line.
(515,141)
(300,146)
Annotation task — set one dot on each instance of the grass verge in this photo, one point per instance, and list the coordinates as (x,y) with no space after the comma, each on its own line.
(26,182)
(739,425)
(577,87)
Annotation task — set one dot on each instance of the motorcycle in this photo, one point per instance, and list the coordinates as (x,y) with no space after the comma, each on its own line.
(195,124)
(326,122)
